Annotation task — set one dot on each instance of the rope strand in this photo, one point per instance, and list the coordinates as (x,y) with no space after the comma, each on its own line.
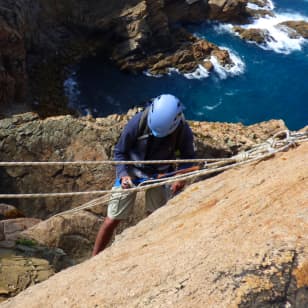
(261,151)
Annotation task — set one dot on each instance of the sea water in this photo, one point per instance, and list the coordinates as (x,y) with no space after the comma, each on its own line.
(268,81)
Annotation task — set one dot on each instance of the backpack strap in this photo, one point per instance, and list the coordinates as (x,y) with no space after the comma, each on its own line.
(143,128)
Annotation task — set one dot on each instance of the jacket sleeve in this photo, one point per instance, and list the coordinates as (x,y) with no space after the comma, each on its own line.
(186,146)
(125,143)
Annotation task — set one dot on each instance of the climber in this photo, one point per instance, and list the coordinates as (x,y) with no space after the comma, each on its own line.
(157,133)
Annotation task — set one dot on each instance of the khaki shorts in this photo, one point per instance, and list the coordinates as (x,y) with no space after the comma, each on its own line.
(121,203)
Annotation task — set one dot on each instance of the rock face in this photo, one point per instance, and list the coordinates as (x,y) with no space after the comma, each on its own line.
(55,139)
(236,240)
(18,273)
(39,39)
(75,233)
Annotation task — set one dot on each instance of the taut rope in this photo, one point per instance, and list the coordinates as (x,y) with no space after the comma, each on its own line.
(278,143)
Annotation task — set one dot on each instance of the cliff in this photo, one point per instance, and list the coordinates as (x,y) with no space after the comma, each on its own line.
(238,239)
(40,39)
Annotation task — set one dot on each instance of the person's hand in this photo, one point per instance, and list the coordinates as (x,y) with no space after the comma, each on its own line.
(177,186)
(126,182)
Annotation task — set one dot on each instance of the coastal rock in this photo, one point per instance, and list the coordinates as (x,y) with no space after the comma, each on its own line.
(39,41)
(238,239)
(258,36)
(300,28)
(186,59)
(227,10)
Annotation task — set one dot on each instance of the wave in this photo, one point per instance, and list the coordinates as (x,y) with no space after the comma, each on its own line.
(269,5)
(208,107)
(223,72)
(237,68)
(148,74)
(278,37)
(199,73)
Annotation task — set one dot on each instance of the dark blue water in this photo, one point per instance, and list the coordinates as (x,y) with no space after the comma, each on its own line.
(272,86)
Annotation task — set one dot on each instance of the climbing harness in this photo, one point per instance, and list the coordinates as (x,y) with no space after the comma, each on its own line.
(279,142)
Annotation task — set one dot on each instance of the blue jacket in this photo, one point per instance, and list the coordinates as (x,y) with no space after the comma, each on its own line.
(129,147)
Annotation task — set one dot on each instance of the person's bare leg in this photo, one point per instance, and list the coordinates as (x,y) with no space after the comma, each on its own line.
(104,234)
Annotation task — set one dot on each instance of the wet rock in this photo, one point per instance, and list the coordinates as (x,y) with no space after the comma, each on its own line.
(300,28)
(186,58)
(258,36)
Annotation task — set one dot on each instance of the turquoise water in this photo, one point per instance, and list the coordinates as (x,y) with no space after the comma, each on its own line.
(270,82)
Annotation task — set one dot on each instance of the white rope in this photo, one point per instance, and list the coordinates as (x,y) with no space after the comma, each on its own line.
(145,186)
(106,162)
(258,152)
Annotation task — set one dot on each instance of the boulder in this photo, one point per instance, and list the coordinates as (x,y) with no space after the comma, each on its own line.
(258,36)
(9,211)
(236,240)
(10,229)
(74,234)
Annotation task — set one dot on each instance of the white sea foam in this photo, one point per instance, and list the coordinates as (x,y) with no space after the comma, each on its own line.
(223,28)
(269,5)
(209,107)
(223,72)
(199,73)
(147,73)
(237,68)
(278,38)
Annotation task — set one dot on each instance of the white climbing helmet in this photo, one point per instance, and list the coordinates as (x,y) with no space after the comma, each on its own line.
(165,114)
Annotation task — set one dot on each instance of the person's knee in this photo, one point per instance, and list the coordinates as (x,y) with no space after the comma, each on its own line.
(110,223)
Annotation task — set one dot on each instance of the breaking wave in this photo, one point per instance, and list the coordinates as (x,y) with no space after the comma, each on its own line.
(223,72)
(268,5)
(208,107)
(278,38)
